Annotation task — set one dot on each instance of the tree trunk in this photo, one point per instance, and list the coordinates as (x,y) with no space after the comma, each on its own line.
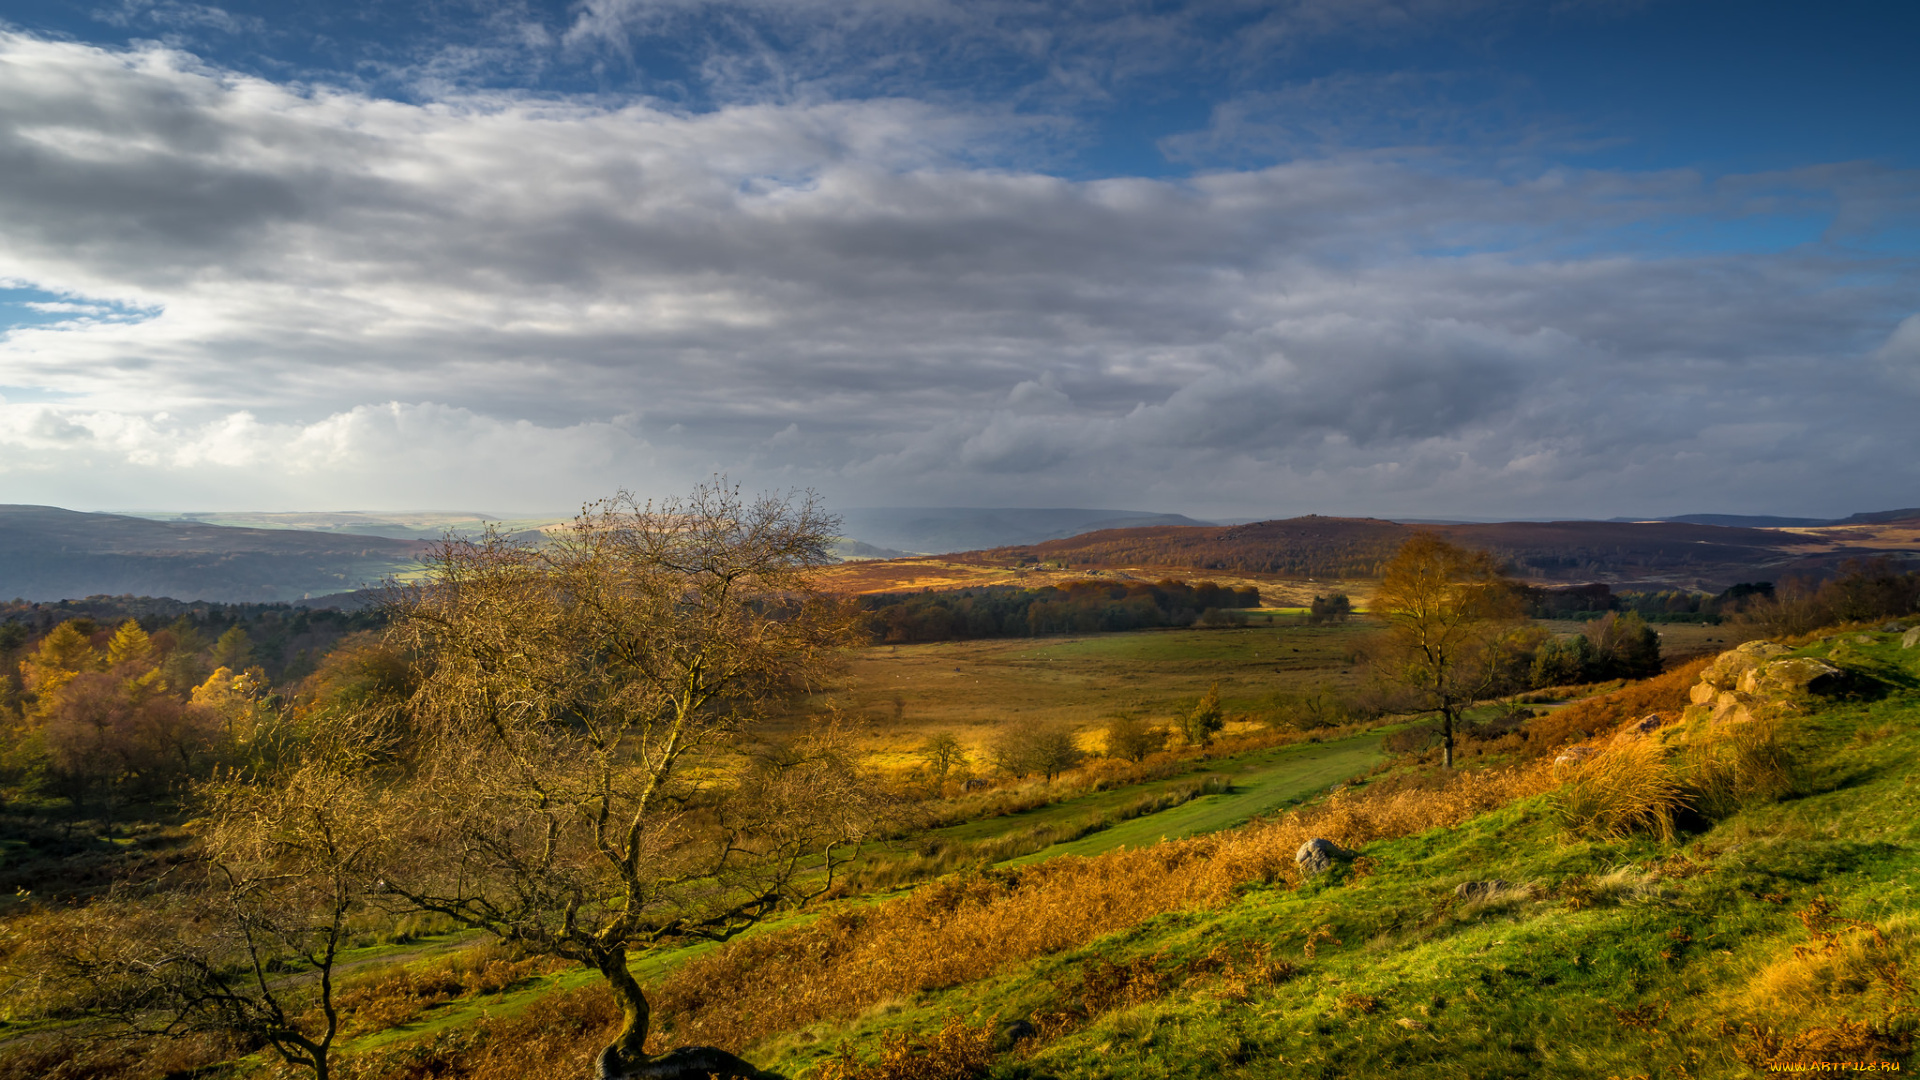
(628,1049)
(1446,737)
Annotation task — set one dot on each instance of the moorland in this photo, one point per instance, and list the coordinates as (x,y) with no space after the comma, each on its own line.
(1664,870)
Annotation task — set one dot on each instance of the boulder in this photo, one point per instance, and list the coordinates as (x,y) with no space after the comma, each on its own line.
(1703,693)
(1480,890)
(1725,671)
(686,1063)
(1911,638)
(1802,675)
(1319,854)
(1649,723)
(1012,1033)
(1574,755)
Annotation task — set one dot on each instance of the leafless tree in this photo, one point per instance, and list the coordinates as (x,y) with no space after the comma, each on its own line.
(248,948)
(586,790)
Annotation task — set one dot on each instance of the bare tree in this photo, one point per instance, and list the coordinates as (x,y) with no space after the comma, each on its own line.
(583,793)
(248,950)
(942,753)
(1446,609)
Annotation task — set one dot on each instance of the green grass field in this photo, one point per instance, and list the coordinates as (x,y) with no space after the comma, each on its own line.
(1632,958)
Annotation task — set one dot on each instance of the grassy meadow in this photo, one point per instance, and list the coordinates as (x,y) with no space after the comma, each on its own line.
(972,689)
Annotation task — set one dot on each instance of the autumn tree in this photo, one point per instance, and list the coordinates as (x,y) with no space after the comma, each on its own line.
(1446,609)
(1132,738)
(1205,720)
(584,703)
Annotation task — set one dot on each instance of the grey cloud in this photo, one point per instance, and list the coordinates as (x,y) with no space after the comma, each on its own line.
(832,294)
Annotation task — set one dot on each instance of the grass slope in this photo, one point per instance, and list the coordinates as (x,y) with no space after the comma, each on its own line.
(1788,927)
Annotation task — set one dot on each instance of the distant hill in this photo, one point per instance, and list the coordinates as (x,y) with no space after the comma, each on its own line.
(47,553)
(411,525)
(935,530)
(1657,553)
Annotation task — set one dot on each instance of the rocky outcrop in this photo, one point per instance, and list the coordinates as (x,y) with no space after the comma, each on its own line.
(1318,855)
(1758,675)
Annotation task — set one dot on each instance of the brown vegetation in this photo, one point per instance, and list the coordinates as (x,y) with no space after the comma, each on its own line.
(965,928)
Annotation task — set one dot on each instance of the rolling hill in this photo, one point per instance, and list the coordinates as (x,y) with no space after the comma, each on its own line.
(1665,554)
(47,553)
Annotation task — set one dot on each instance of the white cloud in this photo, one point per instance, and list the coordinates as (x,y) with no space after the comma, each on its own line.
(831,294)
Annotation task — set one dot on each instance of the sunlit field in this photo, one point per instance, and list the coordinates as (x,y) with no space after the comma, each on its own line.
(972,689)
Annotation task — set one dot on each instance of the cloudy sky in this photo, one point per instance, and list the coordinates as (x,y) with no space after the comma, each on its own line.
(1470,258)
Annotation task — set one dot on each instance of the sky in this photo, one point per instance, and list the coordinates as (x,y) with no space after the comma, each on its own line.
(1401,258)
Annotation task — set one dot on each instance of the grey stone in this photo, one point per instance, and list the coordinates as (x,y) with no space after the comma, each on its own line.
(1480,890)
(1911,638)
(1319,854)
(1012,1033)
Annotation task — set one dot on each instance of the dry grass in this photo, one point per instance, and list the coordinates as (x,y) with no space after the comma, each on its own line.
(557,1037)
(955,1052)
(1665,693)
(1737,764)
(966,928)
(396,997)
(1630,787)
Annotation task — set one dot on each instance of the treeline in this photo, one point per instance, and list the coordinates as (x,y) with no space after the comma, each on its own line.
(1076,607)
(1591,601)
(100,711)
(1862,591)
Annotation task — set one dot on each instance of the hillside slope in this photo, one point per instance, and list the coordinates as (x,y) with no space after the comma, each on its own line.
(1661,553)
(47,553)
(1776,931)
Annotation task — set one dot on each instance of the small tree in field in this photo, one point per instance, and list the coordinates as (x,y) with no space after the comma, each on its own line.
(1132,738)
(942,753)
(1206,720)
(1447,610)
(583,702)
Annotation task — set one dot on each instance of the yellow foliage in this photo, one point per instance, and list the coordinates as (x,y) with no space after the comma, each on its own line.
(63,653)
(130,645)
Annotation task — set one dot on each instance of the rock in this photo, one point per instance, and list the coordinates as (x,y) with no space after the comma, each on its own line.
(1725,671)
(686,1063)
(1894,628)
(1702,693)
(1480,890)
(1319,854)
(1863,639)
(1012,1033)
(1574,755)
(1911,638)
(1803,675)
(1650,722)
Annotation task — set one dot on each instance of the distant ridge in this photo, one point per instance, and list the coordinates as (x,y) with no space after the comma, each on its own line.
(1661,554)
(47,553)
(1751,521)
(934,530)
